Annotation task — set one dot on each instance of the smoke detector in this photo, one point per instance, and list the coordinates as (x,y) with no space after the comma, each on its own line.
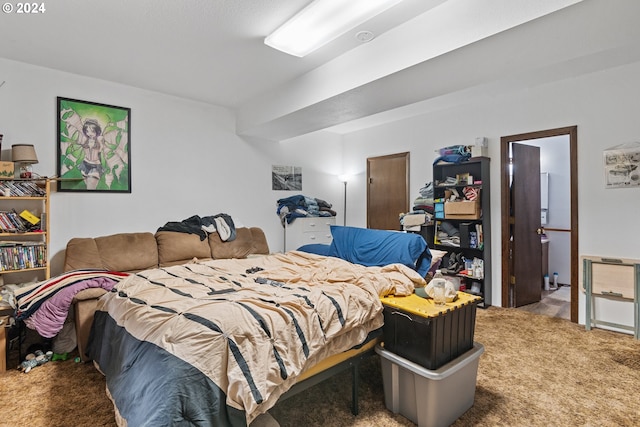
(364,36)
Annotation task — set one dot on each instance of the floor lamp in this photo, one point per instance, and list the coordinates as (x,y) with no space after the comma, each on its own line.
(344,180)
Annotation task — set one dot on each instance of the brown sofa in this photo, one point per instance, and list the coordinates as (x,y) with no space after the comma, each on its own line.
(133,252)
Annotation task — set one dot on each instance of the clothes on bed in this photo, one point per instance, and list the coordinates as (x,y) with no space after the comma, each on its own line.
(206,341)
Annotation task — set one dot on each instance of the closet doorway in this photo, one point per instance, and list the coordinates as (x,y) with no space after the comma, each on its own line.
(512,216)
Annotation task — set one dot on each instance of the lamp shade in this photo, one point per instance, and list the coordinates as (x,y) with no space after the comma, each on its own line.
(23,153)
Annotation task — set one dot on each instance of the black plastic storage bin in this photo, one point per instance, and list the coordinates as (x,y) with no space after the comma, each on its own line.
(414,328)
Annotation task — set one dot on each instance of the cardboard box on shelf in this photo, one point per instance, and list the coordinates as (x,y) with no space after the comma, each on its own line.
(465,209)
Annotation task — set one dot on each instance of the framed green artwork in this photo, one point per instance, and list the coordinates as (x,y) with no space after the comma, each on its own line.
(94,147)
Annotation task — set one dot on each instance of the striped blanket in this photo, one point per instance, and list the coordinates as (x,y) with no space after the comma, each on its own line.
(31,297)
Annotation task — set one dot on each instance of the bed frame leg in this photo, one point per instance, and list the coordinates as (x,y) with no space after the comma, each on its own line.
(354,388)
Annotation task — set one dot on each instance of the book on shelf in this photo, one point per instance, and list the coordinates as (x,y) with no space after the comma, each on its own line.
(11,222)
(5,224)
(21,189)
(15,255)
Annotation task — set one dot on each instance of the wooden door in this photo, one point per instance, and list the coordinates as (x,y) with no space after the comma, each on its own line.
(527,246)
(387,190)
(506,215)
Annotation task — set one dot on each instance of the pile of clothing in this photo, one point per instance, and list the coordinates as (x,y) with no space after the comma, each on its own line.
(221,223)
(413,221)
(292,207)
(424,202)
(448,234)
(454,154)
(422,213)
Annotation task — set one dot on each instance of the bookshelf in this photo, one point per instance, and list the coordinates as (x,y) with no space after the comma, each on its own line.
(24,229)
(469,220)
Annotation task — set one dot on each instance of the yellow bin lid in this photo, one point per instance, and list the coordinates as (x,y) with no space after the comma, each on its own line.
(425,307)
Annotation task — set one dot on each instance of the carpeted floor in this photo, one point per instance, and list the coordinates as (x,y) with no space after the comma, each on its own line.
(535,371)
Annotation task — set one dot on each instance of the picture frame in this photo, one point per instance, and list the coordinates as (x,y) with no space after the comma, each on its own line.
(287,178)
(622,166)
(93,147)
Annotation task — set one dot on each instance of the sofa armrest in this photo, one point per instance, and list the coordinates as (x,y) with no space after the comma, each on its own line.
(90,293)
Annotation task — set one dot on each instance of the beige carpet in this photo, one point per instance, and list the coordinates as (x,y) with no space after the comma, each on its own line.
(535,371)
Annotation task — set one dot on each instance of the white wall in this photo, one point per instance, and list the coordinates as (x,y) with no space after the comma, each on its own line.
(603,105)
(185,159)
(320,156)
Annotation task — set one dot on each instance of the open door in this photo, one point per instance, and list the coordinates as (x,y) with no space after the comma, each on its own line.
(526,252)
(507,218)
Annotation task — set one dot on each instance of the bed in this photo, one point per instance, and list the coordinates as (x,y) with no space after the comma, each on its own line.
(218,342)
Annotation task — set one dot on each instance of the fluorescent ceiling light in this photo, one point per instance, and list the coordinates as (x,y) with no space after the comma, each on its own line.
(323,21)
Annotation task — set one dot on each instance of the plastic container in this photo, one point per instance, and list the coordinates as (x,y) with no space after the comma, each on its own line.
(426,334)
(430,398)
(439,284)
(546,282)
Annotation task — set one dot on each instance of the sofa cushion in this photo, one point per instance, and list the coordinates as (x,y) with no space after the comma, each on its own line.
(112,252)
(128,251)
(240,247)
(177,248)
(81,252)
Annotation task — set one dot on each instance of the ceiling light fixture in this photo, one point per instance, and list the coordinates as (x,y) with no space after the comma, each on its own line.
(323,21)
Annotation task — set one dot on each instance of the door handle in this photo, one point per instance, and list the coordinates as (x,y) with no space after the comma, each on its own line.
(540,231)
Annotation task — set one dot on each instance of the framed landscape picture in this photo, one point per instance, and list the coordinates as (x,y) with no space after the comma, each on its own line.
(94,151)
(288,178)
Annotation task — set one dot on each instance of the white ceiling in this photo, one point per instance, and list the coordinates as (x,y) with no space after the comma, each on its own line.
(213,51)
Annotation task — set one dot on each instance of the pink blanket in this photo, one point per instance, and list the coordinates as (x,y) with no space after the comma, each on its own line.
(49,318)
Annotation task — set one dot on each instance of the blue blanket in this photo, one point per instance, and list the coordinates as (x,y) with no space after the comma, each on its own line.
(370,247)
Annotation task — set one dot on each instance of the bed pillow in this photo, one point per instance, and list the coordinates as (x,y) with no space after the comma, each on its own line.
(380,247)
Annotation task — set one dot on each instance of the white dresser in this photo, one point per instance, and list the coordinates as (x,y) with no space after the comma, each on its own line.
(307,230)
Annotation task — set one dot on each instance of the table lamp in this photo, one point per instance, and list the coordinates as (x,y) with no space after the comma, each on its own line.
(24,155)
